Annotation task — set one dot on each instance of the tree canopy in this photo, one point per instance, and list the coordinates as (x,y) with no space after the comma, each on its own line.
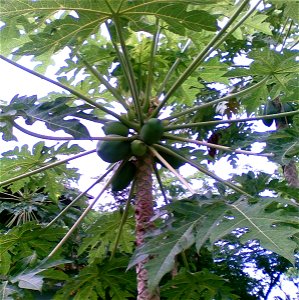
(172,84)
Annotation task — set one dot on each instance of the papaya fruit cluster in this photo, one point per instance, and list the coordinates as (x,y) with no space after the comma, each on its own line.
(271,108)
(114,150)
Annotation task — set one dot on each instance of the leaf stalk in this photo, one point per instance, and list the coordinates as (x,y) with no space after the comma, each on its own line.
(78,222)
(219,147)
(225,98)
(128,70)
(207,123)
(123,220)
(80,196)
(200,57)
(203,170)
(170,168)
(105,82)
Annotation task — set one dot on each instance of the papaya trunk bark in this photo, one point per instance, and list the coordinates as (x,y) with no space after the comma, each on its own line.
(143,213)
(290,171)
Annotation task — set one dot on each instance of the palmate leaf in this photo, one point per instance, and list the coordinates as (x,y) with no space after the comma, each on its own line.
(30,281)
(5,261)
(57,114)
(72,29)
(197,221)
(101,236)
(284,144)
(200,285)
(268,62)
(6,127)
(289,8)
(213,71)
(22,160)
(33,279)
(271,62)
(265,221)
(98,280)
(29,237)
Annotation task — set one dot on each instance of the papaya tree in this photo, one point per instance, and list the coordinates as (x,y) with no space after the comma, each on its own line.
(172,84)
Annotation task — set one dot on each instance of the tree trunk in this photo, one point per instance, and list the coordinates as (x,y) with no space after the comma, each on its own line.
(143,214)
(290,170)
(291,174)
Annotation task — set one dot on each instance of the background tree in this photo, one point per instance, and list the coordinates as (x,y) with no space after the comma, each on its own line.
(168,73)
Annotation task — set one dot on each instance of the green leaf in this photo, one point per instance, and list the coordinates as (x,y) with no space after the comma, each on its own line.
(5,261)
(213,71)
(20,161)
(101,236)
(270,62)
(56,114)
(284,144)
(200,285)
(29,281)
(61,33)
(189,90)
(69,30)
(196,221)
(288,7)
(54,274)
(272,228)
(31,278)
(257,23)
(11,36)
(28,237)
(87,293)
(98,279)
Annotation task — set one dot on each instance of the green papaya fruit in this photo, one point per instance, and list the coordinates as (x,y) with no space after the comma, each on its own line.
(152,131)
(115,127)
(138,148)
(173,161)
(269,109)
(113,151)
(124,177)
(287,107)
